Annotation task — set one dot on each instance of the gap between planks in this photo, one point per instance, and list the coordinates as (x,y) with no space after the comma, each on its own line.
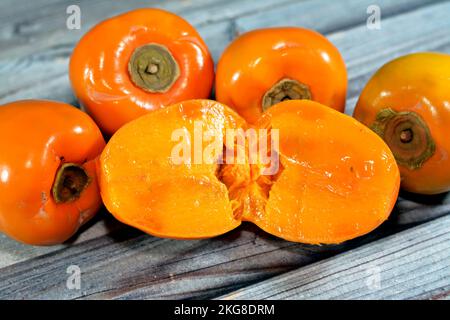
(413,264)
(48,66)
(352,43)
(434,42)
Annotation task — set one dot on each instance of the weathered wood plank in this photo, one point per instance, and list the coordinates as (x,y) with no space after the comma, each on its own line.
(214,266)
(128,264)
(413,264)
(370,50)
(12,252)
(38,25)
(351,42)
(38,68)
(340,16)
(409,210)
(35,52)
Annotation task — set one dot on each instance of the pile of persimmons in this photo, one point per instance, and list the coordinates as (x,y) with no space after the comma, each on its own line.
(144,79)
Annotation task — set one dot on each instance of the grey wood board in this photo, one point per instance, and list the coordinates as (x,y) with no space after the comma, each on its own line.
(392,37)
(413,264)
(154,268)
(409,210)
(128,264)
(45,25)
(12,251)
(37,66)
(324,15)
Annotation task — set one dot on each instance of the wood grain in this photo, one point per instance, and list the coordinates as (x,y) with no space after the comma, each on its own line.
(413,264)
(36,51)
(12,251)
(313,14)
(128,264)
(392,38)
(39,25)
(119,262)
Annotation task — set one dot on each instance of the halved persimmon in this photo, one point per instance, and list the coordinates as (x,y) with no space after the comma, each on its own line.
(142,187)
(183,172)
(339,180)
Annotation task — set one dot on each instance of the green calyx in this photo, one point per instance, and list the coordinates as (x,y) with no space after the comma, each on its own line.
(153,68)
(407,135)
(70,181)
(285,89)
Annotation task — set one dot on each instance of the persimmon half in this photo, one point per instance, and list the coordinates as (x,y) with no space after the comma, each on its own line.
(407,102)
(334,179)
(137,62)
(48,180)
(263,67)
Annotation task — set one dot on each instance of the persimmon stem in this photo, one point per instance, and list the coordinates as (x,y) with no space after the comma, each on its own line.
(153,68)
(285,89)
(407,135)
(70,181)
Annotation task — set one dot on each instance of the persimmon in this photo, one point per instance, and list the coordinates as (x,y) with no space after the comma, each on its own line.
(334,178)
(263,67)
(137,62)
(48,180)
(407,102)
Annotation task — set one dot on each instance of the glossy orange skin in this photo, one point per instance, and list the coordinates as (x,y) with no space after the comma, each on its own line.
(417,82)
(99,66)
(36,138)
(257,60)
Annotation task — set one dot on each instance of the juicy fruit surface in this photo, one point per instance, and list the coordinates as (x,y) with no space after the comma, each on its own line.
(336,179)
(339,179)
(142,186)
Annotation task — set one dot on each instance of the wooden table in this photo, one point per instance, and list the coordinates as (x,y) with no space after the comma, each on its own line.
(407,257)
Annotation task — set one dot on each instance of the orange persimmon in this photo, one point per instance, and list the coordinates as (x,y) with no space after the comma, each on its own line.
(407,102)
(137,62)
(48,181)
(334,178)
(263,67)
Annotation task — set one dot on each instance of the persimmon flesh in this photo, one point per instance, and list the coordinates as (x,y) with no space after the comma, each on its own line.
(336,179)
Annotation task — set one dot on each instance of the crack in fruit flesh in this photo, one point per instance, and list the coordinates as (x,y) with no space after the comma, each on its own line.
(248,188)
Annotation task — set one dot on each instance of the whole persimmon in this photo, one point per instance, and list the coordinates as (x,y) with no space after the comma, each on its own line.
(183,172)
(48,181)
(137,62)
(263,67)
(407,102)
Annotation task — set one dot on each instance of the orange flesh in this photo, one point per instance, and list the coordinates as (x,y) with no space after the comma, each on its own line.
(143,188)
(337,179)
